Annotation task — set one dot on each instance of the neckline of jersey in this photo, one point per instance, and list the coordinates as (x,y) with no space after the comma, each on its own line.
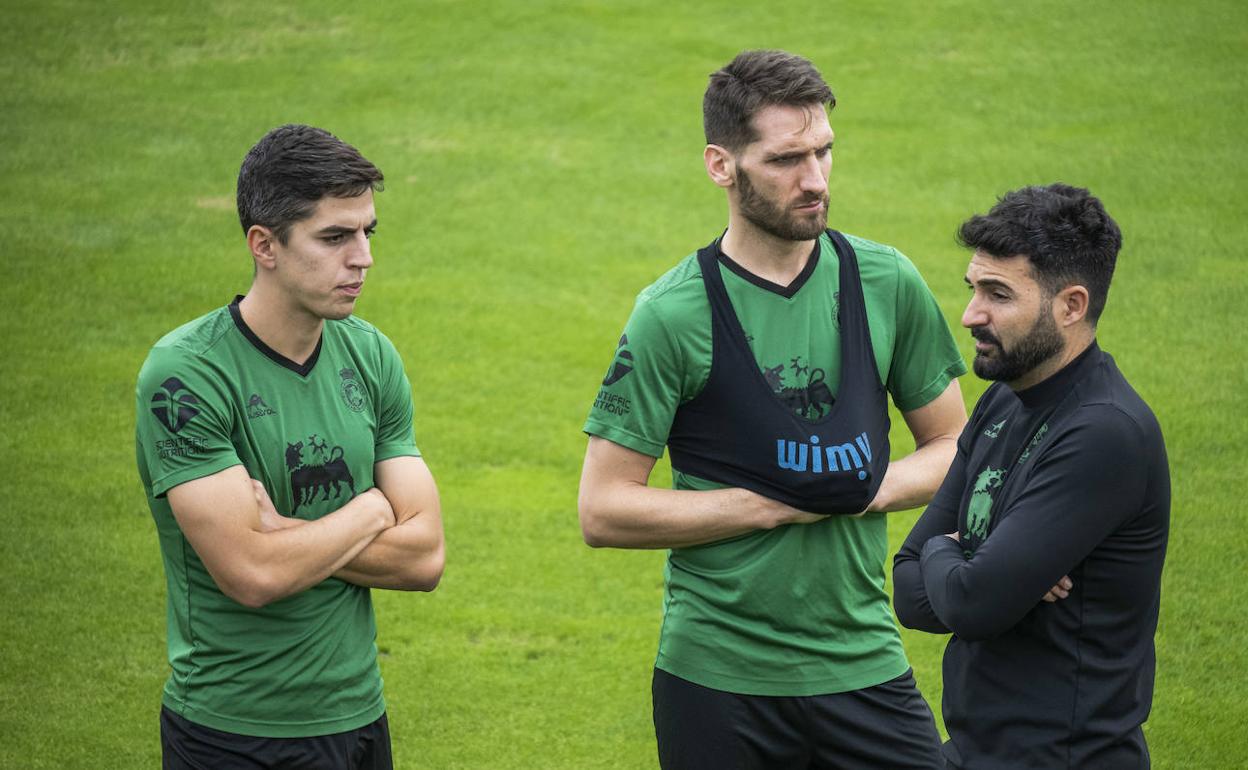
(1059,383)
(737,336)
(303,370)
(787,292)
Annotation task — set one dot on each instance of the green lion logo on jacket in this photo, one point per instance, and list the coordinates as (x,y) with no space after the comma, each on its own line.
(980,508)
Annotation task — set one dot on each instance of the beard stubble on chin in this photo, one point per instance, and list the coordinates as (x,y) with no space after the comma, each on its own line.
(1042,342)
(772,219)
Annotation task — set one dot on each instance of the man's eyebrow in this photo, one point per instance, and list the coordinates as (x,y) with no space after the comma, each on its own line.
(797,152)
(988,283)
(339,229)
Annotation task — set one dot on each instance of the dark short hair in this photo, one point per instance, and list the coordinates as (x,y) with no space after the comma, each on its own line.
(292,168)
(752,81)
(1064,232)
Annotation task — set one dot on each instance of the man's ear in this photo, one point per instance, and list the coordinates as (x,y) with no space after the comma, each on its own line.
(1070,305)
(263,245)
(721,167)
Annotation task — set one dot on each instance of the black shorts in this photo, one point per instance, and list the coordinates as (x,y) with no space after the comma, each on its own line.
(886,726)
(189,746)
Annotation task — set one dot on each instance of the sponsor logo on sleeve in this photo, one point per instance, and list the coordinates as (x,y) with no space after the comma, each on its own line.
(622,365)
(174,405)
(180,446)
(613,403)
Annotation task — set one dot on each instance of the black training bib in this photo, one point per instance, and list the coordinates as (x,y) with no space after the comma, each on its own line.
(739,433)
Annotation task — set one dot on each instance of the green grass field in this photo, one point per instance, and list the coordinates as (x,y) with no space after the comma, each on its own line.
(543,164)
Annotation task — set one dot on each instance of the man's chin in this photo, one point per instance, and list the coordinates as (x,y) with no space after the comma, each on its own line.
(338,311)
(986,368)
(808,229)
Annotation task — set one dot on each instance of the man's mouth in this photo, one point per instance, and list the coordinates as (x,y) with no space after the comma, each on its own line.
(984,341)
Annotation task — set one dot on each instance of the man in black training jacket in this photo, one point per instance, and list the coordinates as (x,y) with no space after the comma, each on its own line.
(1042,551)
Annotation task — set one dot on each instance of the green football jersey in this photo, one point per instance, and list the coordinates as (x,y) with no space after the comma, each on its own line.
(798,610)
(211,395)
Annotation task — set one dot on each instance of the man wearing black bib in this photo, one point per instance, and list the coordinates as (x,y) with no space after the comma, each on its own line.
(1042,551)
(764,361)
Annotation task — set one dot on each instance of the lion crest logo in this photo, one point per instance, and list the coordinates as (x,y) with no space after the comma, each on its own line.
(979,511)
(315,468)
(353,394)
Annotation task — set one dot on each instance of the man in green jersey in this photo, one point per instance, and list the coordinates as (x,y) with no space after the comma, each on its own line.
(762,362)
(274,440)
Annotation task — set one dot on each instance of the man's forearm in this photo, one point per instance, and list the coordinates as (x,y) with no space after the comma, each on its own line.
(631,515)
(274,560)
(313,552)
(406,557)
(910,598)
(618,509)
(410,555)
(912,480)
(914,610)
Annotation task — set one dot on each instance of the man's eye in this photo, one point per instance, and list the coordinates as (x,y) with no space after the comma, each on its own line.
(337,238)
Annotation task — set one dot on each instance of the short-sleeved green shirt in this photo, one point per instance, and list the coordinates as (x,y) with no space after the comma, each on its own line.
(798,610)
(211,395)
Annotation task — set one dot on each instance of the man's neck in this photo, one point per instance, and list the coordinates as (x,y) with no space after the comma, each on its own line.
(773,259)
(1075,345)
(289,331)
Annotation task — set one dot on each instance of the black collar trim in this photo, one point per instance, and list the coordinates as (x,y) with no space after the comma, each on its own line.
(303,370)
(784,291)
(1055,388)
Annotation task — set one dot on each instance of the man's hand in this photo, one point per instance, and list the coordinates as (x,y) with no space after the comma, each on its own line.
(1061,590)
(787,514)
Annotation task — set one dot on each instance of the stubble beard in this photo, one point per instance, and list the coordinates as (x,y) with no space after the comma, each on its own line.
(1042,342)
(769,217)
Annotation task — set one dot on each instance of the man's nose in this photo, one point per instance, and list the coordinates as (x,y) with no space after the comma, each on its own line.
(814,178)
(361,252)
(974,314)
